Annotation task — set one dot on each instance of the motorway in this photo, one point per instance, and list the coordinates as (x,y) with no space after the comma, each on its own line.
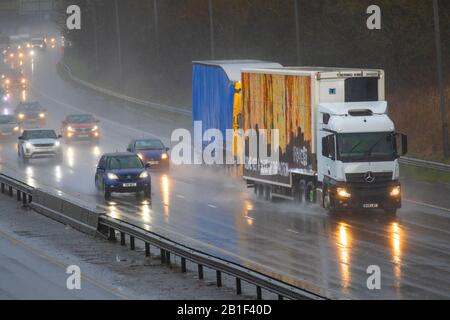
(210,209)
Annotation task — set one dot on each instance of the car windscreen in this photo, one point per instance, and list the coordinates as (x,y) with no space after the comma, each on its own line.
(39,134)
(367,146)
(7,119)
(124,162)
(82,118)
(149,145)
(30,107)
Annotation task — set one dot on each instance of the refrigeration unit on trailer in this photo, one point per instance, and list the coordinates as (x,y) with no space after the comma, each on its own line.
(216,93)
(337,144)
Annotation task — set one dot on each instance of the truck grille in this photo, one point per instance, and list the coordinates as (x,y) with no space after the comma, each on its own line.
(378,179)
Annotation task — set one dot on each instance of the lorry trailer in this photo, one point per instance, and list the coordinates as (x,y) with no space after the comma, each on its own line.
(337,144)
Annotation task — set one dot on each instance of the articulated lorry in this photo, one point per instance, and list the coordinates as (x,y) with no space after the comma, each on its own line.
(337,144)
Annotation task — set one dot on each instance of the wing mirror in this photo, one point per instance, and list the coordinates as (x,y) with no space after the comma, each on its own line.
(147,165)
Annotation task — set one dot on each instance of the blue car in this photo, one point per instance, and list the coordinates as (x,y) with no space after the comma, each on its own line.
(122,173)
(152,152)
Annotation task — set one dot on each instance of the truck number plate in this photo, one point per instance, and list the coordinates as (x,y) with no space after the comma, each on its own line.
(370,205)
(128,185)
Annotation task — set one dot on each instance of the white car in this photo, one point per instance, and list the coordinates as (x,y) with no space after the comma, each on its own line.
(39,143)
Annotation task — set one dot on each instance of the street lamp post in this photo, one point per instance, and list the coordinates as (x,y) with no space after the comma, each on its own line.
(440,76)
(119,44)
(211,29)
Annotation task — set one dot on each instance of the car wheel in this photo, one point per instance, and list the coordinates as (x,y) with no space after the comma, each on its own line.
(148,193)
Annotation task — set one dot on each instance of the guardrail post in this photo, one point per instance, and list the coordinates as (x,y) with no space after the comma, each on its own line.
(147,249)
(19,195)
(258,293)
(112,234)
(200,271)
(10,191)
(132,243)
(219,278)
(183,265)
(168,258)
(163,256)
(3,187)
(24,199)
(238,286)
(122,238)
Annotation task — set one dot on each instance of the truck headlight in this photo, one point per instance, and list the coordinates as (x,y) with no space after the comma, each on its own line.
(164,156)
(21,116)
(57,144)
(395,191)
(112,176)
(343,193)
(95,128)
(70,129)
(143,175)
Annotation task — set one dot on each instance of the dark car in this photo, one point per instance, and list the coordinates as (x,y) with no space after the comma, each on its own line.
(122,173)
(80,127)
(152,152)
(30,112)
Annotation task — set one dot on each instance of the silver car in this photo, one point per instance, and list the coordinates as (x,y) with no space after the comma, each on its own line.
(9,126)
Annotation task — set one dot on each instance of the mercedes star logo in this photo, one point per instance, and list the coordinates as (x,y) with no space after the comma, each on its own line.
(368,177)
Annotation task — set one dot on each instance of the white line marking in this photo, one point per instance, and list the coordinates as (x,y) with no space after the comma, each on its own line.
(180,196)
(293,231)
(212,206)
(427,205)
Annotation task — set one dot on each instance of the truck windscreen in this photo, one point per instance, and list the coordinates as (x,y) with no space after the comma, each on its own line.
(365,147)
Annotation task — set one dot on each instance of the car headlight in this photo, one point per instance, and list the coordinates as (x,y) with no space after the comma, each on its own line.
(57,144)
(16,129)
(21,116)
(164,156)
(112,176)
(343,193)
(70,129)
(395,191)
(28,145)
(7,81)
(31,53)
(144,175)
(95,128)
(11,55)
(42,115)
(23,80)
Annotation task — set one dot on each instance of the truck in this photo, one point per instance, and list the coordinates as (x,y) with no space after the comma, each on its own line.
(337,145)
(216,93)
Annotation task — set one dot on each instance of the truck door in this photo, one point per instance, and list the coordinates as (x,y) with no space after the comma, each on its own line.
(326,161)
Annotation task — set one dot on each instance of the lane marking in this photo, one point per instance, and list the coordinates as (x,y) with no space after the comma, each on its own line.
(180,196)
(292,231)
(212,206)
(427,205)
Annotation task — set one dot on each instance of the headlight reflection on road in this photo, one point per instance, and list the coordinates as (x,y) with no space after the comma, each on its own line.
(96,151)
(396,232)
(146,213)
(248,207)
(343,245)
(58,173)
(24,95)
(70,157)
(165,189)
(29,173)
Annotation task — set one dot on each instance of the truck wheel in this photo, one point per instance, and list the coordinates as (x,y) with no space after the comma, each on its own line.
(328,202)
(310,192)
(260,191)
(300,192)
(267,193)
(390,211)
